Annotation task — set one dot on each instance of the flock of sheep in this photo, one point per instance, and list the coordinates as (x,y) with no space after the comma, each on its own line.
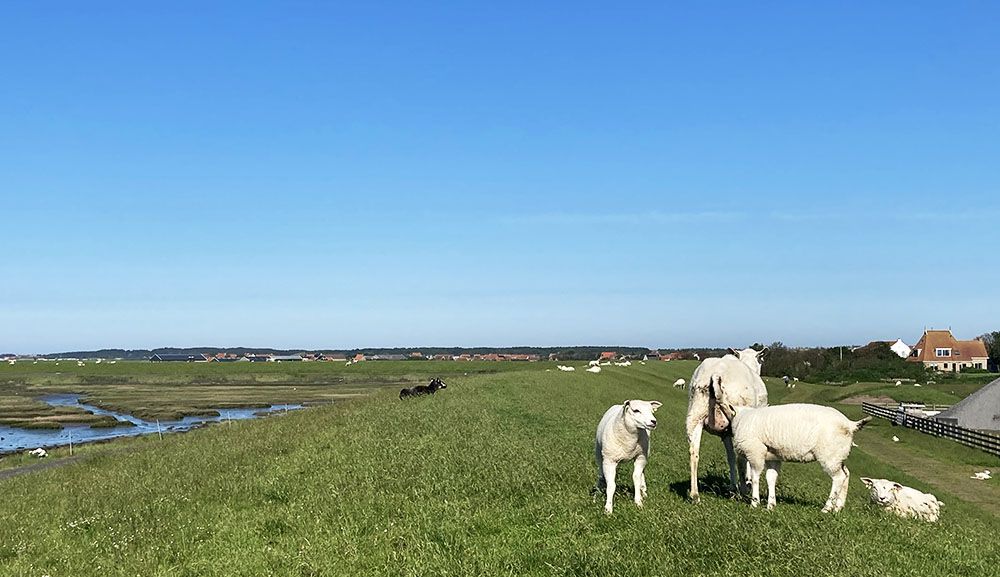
(727,397)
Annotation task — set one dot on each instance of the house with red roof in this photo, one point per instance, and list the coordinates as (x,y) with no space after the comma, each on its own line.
(941,351)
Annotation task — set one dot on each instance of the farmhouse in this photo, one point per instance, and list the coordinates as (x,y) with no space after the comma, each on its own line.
(980,410)
(941,351)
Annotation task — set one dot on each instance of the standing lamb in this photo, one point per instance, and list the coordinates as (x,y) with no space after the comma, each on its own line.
(623,435)
(903,501)
(738,374)
(800,433)
(680,383)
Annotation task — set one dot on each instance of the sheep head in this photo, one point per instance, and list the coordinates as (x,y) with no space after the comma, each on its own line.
(883,491)
(640,413)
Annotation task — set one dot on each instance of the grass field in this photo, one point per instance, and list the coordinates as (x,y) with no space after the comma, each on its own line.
(490,477)
(168,391)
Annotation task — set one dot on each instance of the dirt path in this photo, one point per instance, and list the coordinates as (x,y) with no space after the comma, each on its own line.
(947,477)
(40,466)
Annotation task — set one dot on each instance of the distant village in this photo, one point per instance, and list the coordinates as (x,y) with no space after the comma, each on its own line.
(936,349)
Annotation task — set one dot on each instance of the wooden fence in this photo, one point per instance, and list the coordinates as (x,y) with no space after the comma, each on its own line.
(977,439)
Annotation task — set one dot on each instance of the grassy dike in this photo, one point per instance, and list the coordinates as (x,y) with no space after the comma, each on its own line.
(490,477)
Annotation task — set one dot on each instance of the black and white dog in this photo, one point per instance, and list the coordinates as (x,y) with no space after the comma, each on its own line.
(423,389)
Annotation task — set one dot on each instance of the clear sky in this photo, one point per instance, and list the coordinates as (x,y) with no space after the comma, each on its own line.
(318,174)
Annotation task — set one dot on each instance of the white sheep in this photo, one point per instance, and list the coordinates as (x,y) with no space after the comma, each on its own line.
(916,384)
(594,363)
(623,435)
(984,475)
(800,433)
(594,370)
(39,452)
(565,368)
(899,383)
(680,383)
(903,501)
(739,376)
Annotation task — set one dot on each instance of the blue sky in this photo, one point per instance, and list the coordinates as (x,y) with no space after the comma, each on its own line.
(425,173)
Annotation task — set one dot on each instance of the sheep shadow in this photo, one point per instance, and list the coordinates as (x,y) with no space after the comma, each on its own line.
(712,483)
(718,485)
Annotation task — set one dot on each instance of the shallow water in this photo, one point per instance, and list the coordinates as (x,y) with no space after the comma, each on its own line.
(13,439)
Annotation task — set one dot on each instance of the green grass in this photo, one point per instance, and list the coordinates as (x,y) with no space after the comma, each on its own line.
(489,477)
(170,391)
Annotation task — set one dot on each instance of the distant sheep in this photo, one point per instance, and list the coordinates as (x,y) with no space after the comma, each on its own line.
(435,385)
(623,435)
(899,383)
(680,383)
(768,436)
(916,384)
(984,475)
(594,363)
(39,452)
(565,368)
(903,501)
(594,370)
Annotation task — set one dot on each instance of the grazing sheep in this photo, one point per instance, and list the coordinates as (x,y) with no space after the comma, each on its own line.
(79,363)
(623,435)
(418,390)
(565,368)
(594,370)
(738,373)
(895,439)
(899,383)
(801,433)
(39,452)
(903,501)
(680,383)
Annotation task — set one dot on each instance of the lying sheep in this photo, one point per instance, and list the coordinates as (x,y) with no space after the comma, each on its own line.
(39,452)
(767,436)
(623,435)
(594,370)
(565,368)
(903,501)
(434,386)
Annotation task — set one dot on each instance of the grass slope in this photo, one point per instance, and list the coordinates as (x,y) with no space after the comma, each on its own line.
(490,477)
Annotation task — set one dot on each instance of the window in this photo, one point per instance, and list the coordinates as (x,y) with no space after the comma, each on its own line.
(942,352)
(946,365)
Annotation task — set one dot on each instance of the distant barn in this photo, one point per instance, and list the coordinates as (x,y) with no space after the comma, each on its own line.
(177,358)
(979,411)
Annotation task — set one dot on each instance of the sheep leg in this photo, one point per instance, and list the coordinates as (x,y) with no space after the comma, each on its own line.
(610,468)
(639,479)
(842,494)
(838,476)
(771,474)
(727,441)
(694,428)
(754,486)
